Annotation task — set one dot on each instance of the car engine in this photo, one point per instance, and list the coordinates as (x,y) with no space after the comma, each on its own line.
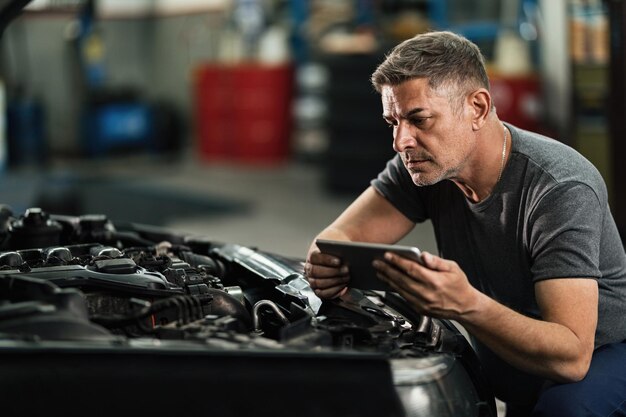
(99,318)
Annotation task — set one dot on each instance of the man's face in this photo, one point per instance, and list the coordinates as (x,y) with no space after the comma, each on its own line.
(433,140)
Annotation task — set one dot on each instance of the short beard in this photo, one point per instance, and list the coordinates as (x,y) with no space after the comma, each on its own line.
(423,181)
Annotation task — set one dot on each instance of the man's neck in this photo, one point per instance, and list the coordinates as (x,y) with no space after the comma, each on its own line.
(487,163)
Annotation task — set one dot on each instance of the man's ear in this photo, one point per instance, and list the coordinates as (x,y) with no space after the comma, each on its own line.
(479,103)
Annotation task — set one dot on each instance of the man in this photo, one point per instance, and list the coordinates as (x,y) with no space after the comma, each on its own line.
(530,261)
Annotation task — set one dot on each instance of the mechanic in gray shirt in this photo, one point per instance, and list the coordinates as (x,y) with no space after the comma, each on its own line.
(530,261)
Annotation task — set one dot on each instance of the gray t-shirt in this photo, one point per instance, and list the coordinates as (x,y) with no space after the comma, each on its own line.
(547,218)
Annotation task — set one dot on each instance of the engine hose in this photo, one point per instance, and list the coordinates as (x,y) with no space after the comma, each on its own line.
(180,310)
(273,306)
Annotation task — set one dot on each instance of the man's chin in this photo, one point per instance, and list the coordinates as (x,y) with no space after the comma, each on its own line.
(422,180)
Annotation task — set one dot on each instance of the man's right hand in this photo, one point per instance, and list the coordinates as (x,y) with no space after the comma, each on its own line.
(370,218)
(327,276)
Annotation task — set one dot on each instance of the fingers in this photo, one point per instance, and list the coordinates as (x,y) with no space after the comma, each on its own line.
(412,297)
(438,288)
(396,275)
(329,287)
(421,277)
(318,258)
(321,271)
(332,292)
(324,283)
(326,275)
(430,262)
(436,263)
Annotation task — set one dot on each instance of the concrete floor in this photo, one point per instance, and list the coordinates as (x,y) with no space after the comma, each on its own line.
(286,204)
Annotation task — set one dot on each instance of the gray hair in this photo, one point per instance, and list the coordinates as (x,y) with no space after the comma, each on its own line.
(443,58)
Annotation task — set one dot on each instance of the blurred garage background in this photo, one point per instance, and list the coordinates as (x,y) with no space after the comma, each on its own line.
(253,121)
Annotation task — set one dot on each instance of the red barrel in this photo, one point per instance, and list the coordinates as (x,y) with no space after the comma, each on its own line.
(243,112)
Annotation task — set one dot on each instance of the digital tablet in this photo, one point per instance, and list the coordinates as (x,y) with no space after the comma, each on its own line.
(358,256)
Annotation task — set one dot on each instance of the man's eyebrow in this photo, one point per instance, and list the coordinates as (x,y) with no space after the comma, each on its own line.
(407,115)
(413,111)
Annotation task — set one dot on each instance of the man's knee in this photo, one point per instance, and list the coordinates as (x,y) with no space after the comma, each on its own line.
(601,393)
(589,397)
(567,400)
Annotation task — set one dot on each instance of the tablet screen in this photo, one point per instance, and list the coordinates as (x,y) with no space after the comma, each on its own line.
(358,256)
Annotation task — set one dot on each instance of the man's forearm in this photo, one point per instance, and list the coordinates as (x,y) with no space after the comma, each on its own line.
(331,233)
(370,218)
(540,347)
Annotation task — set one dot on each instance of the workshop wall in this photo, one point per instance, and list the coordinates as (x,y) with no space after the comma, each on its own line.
(35,66)
(151,56)
(154,50)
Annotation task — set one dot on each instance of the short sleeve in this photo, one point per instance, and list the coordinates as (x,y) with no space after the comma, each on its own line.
(564,232)
(395,184)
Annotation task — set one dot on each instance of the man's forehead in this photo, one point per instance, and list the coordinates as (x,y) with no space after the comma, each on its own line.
(412,94)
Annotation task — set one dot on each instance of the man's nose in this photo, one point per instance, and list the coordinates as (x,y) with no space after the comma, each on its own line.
(403,138)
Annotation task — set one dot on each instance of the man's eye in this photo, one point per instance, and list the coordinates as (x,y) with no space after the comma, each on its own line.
(420,121)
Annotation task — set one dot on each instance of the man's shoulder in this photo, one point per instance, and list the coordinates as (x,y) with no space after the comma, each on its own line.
(552,159)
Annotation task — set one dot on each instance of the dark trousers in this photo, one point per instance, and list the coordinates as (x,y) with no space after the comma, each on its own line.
(601,393)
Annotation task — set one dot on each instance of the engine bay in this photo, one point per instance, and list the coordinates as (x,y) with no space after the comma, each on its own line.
(80,278)
(82,284)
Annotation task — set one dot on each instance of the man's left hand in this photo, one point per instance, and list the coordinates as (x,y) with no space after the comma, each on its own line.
(437,287)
